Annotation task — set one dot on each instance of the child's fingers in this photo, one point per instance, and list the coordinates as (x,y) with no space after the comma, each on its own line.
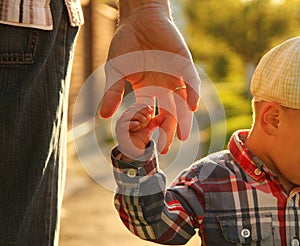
(137,112)
(136,117)
(143,116)
(134,126)
(143,112)
(151,123)
(156,121)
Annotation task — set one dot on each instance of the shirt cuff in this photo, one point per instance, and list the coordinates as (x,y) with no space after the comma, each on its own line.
(137,168)
(138,178)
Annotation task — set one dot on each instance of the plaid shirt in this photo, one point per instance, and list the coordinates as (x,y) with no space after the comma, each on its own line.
(36,13)
(230,196)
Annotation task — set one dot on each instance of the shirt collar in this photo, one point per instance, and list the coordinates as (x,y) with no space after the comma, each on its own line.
(241,154)
(251,163)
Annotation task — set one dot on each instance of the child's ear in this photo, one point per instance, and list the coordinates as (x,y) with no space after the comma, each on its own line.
(269,117)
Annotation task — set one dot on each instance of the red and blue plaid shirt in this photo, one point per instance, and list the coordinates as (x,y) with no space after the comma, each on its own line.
(231,197)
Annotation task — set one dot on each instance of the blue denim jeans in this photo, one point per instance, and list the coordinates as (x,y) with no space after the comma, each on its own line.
(34,83)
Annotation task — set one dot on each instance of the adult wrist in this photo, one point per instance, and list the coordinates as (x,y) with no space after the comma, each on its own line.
(128,8)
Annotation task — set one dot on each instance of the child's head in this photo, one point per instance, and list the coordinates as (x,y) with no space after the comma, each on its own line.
(275,88)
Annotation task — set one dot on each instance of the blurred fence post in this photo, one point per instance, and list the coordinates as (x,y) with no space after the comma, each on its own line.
(92,45)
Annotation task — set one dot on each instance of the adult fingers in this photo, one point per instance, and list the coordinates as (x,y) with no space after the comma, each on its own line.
(112,99)
(167,128)
(183,68)
(192,82)
(114,87)
(184,114)
(166,132)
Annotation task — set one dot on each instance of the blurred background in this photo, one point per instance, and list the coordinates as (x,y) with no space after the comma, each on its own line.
(227,38)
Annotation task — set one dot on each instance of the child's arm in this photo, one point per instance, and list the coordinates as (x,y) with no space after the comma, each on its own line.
(145,207)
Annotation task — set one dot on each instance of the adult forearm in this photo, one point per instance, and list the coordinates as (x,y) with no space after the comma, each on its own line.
(128,8)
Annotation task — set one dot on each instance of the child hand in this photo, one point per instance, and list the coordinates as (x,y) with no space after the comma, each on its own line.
(134,130)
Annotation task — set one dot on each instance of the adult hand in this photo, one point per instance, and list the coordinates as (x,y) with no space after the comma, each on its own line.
(149,52)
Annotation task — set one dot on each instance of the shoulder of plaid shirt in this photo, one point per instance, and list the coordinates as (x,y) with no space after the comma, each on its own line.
(230,196)
(37,13)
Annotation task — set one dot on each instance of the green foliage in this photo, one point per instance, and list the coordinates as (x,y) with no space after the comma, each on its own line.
(227,37)
(236,29)
(248,28)
(237,106)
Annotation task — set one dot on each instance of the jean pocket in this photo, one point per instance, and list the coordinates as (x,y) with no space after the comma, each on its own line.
(251,229)
(17,45)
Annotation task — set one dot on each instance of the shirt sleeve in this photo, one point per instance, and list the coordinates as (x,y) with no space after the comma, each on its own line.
(150,211)
(37,14)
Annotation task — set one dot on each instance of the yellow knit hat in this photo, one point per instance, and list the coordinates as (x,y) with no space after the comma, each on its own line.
(277,75)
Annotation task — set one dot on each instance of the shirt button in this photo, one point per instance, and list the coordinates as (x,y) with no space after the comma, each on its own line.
(291,204)
(245,233)
(295,242)
(131,173)
(257,172)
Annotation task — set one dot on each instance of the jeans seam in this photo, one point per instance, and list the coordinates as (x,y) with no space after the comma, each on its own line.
(26,57)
